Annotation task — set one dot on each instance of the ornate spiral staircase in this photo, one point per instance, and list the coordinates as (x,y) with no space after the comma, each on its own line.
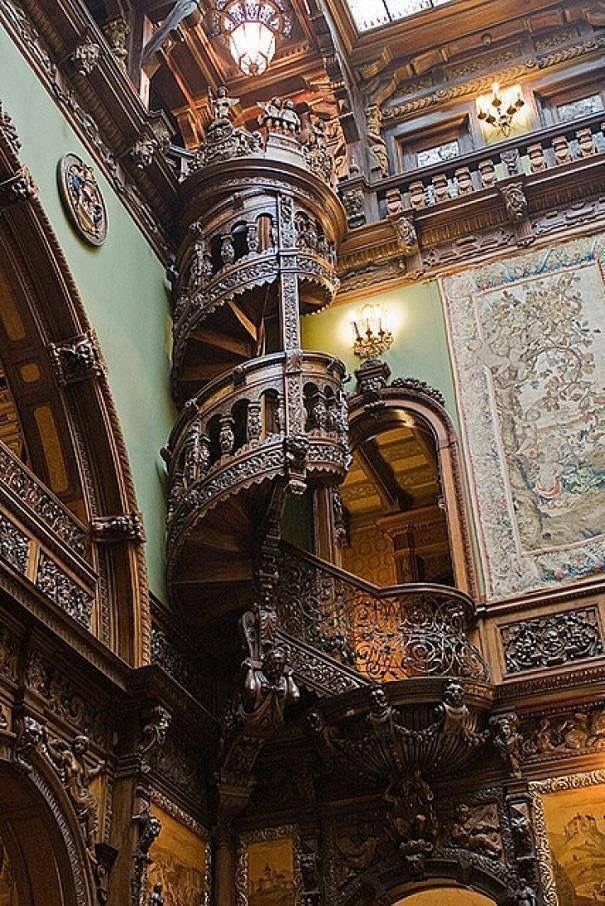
(263,419)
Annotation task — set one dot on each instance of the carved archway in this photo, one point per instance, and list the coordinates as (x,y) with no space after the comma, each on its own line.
(389,884)
(376,407)
(59,385)
(40,836)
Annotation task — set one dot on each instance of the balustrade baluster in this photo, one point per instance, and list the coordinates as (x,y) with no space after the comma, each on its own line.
(253,428)
(464,181)
(537,159)
(417,195)
(487,173)
(586,144)
(226,437)
(441,190)
(561,150)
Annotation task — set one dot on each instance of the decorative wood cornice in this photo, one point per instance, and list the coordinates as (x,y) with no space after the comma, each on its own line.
(101,105)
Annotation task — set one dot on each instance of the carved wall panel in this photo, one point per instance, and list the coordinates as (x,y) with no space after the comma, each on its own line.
(552,640)
(528,354)
(370,554)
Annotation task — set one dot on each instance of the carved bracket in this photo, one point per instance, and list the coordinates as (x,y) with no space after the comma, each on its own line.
(116,529)
(17,190)
(77,359)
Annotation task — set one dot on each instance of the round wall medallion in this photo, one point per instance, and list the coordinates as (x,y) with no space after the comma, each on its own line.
(82,199)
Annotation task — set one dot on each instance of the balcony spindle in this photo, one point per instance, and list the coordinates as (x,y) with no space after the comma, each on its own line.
(464,181)
(253,428)
(226,437)
(487,172)
(441,190)
(417,195)
(561,150)
(537,159)
(586,142)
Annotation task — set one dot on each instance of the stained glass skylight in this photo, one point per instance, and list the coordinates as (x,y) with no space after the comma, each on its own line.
(369,14)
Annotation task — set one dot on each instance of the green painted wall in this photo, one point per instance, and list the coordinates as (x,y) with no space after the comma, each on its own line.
(419,350)
(122,286)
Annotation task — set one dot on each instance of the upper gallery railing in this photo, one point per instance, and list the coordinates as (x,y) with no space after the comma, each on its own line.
(386,634)
(550,149)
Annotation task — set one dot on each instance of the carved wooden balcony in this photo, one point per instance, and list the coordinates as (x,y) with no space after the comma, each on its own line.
(279,418)
(516,192)
(42,543)
(383,634)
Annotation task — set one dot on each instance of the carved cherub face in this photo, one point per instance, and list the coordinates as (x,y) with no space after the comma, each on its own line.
(274,663)
(80,745)
(454,694)
(378,701)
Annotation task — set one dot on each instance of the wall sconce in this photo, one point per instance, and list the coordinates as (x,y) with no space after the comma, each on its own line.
(372,335)
(498,115)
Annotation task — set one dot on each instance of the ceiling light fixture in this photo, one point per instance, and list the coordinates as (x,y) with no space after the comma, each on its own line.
(251,29)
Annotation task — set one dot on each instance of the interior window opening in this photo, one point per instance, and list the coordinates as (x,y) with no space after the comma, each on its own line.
(396,525)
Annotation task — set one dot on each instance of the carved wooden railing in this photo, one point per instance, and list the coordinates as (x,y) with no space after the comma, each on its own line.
(549,149)
(42,541)
(283,414)
(385,634)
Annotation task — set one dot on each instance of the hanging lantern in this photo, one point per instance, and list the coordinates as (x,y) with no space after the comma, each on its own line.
(251,29)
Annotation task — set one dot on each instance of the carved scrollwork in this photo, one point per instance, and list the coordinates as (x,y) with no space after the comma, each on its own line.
(69,596)
(56,518)
(384,636)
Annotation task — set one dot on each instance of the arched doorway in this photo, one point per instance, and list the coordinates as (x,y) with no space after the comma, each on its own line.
(445,896)
(405,495)
(393,504)
(42,862)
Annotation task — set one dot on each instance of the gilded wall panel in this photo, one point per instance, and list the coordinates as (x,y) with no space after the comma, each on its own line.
(180,861)
(268,871)
(528,352)
(570,824)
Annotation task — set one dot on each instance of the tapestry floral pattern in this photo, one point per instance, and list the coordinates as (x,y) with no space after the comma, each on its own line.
(527,339)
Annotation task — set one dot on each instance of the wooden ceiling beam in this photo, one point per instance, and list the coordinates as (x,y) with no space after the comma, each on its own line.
(383,476)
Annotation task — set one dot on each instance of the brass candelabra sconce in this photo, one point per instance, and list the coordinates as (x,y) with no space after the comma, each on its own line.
(372,334)
(501,113)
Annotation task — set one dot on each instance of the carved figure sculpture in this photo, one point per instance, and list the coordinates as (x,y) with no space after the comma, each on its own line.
(507,740)
(378,148)
(412,815)
(525,894)
(70,763)
(268,688)
(455,714)
(221,105)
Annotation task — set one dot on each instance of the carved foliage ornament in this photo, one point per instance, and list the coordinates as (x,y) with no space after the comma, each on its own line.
(548,641)
(82,199)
